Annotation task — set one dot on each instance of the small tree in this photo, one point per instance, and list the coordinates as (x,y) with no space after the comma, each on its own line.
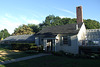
(1,38)
(24,29)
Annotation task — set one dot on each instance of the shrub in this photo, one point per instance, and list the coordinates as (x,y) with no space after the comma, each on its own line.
(32,45)
(56,53)
(88,56)
(5,46)
(60,53)
(94,56)
(23,46)
(31,51)
(70,55)
(40,48)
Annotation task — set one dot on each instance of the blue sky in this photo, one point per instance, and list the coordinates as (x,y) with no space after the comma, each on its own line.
(17,12)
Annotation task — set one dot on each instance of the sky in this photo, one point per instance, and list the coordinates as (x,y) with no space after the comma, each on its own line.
(14,13)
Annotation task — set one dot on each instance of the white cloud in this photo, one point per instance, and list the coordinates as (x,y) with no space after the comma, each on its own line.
(68,11)
(10,22)
(30,20)
(62,16)
(66,17)
(33,21)
(65,10)
(10,16)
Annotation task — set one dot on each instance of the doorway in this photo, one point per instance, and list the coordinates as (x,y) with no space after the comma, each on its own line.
(49,45)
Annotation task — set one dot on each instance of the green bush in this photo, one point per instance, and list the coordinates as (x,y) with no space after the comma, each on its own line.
(94,56)
(88,56)
(78,56)
(31,52)
(60,53)
(40,48)
(23,46)
(27,46)
(32,45)
(70,55)
(5,46)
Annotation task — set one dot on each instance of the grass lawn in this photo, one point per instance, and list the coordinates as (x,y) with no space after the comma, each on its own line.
(6,54)
(13,56)
(55,61)
(2,49)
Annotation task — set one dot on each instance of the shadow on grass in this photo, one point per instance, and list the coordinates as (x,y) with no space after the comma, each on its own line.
(55,61)
(14,55)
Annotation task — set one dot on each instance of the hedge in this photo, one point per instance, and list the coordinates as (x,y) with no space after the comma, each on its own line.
(23,46)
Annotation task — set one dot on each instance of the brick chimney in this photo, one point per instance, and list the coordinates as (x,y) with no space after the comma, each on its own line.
(79,14)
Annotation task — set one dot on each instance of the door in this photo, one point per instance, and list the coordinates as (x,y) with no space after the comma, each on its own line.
(49,45)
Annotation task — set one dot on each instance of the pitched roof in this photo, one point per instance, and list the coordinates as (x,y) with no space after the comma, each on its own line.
(60,29)
(27,38)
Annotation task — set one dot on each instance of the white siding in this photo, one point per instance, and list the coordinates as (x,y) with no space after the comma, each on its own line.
(75,41)
(81,34)
(45,44)
(70,49)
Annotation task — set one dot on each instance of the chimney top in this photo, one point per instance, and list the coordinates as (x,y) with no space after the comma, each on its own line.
(79,14)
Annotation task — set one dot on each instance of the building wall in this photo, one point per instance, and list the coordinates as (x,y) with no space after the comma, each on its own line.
(37,40)
(93,34)
(81,34)
(73,48)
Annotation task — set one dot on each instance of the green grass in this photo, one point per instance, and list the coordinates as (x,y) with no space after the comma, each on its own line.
(15,55)
(10,54)
(55,61)
(6,54)
(3,49)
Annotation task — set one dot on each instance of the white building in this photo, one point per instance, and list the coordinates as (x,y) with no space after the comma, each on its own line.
(63,37)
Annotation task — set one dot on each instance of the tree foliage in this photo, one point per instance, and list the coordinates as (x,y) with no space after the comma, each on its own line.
(34,27)
(4,33)
(52,20)
(24,29)
(92,24)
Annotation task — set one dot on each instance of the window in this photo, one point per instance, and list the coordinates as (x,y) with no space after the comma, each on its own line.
(96,42)
(65,40)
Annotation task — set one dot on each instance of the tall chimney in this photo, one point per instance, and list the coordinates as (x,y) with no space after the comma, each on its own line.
(79,14)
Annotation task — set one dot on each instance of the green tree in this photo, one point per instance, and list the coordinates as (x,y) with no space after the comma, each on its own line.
(34,27)
(92,24)
(52,20)
(4,33)
(24,29)
(1,38)
(74,20)
(64,21)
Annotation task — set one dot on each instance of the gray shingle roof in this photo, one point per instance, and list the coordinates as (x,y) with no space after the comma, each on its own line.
(60,29)
(29,38)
